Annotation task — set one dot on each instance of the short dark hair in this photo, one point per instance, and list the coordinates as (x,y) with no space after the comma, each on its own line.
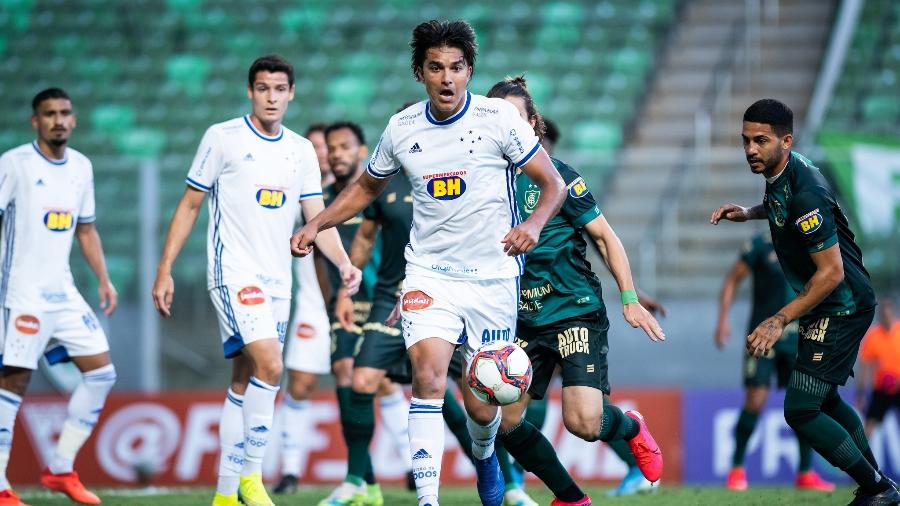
(771,112)
(517,87)
(458,34)
(356,129)
(551,132)
(48,94)
(315,127)
(270,63)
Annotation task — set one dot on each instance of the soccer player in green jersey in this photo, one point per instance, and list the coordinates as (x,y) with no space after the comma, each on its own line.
(835,302)
(770,293)
(562,321)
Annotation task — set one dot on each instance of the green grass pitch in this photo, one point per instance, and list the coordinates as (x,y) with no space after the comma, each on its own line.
(457,496)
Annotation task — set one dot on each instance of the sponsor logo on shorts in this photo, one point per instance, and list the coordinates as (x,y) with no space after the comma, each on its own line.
(817,357)
(816,331)
(578,188)
(28,324)
(590,368)
(270,199)
(573,340)
(416,300)
(58,221)
(491,335)
(305,331)
(251,296)
(809,222)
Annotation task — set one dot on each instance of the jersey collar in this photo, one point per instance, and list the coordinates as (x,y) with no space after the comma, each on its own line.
(451,119)
(65,158)
(260,134)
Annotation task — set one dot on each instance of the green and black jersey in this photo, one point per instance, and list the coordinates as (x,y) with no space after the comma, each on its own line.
(805,218)
(771,291)
(558,282)
(393,212)
(347,231)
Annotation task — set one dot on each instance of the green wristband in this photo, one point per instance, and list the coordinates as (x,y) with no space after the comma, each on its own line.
(629,297)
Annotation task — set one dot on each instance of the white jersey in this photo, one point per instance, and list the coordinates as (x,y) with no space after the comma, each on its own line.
(255,183)
(462,171)
(42,201)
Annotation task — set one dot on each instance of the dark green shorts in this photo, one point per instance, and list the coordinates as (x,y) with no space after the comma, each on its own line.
(579,345)
(455,370)
(383,347)
(829,345)
(345,343)
(779,362)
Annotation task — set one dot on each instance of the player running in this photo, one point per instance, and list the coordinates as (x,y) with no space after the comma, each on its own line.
(259,175)
(463,258)
(835,302)
(47,199)
(771,292)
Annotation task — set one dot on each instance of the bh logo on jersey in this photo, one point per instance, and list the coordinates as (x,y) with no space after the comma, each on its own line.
(251,296)
(270,199)
(809,222)
(446,188)
(58,221)
(28,324)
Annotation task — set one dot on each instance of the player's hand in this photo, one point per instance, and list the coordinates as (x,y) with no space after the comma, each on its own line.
(637,316)
(394,317)
(765,335)
(163,291)
(723,333)
(351,276)
(652,305)
(521,239)
(343,310)
(109,297)
(302,240)
(730,212)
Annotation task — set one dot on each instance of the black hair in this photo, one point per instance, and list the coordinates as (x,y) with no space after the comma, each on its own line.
(356,129)
(771,112)
(48,94)
(270,63)
(517,87)
(551,132)
(458,34)
(315,127)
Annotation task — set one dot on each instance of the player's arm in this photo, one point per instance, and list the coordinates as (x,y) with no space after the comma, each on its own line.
(363,242)
(92,249)
(652,305)
(180,227)
(613,254)
(329,243)
(734,212)
(733,279)
(540,170)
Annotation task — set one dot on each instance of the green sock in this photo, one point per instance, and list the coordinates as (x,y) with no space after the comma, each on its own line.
(531,449)
(842,413)
(505,463)
(537,412)
(623,451)
(805,455)
(455,418)
(358,424)
(742,431)
(615,425)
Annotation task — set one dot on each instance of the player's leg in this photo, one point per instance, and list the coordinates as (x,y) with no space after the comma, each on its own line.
(13,384)
(231,434)
(394,408)
(634,481)
(756,392)
(453,413)
(536,414)
(879,403)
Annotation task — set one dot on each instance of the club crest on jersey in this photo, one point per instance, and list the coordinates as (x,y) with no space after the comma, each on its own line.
(270,199)
(58,221)
(28,324)
(578,188)
(809,222)
(416,300)
(531,200)
(446,188)
(251,296)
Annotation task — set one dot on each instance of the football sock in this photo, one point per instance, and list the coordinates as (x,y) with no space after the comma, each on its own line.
(395,419)
(842,413)
(505,462)
(231,444)
(83,412)
(615,425)
(294,422)
(426,441)
(536,413)
(623,451)
(9,406)
(483,436)
(805,455)
(259,408)
(743,429)
(803,412)
(535,453)
(455,418)
(358,421)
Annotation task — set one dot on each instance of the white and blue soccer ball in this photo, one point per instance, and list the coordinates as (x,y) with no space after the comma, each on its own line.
(499,373)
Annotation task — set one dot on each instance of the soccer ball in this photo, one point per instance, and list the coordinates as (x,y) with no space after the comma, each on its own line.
(500,373)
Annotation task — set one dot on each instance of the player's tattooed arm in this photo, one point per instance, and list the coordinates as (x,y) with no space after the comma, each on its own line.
(764,336)
(736,213)
(363,242)
(829,274)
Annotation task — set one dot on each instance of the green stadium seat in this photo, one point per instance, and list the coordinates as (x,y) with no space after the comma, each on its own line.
(112,118)
(141,142)
(347,93)
(597,135)
(881,109)
(188,72)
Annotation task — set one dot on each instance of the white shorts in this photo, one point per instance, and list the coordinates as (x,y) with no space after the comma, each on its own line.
(246,314)
(308,345)
(467,312)
(73,332)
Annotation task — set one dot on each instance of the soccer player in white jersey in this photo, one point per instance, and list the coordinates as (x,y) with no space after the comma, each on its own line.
(460,152)
(259,175)
(47,198)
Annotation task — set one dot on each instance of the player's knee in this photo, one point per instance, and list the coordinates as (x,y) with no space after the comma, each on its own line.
(364,384)
(15,380)
(269,370)
(300,388)
(427,383)
(798,413)
(582,426)
(509,420)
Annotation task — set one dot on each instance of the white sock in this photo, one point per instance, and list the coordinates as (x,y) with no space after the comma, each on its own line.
(9,406)
(395,419)
(84,410)
(259,408)
(426,442)
(294,419)
(483,436)
(231,444)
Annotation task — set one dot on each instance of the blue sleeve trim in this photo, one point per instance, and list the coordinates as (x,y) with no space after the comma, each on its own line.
(87,219)
(196,185)
(376,175)
(529,156)
(309,195)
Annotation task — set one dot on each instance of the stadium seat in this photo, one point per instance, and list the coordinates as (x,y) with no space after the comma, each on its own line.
(597,136)
(188,72)
(112,118)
